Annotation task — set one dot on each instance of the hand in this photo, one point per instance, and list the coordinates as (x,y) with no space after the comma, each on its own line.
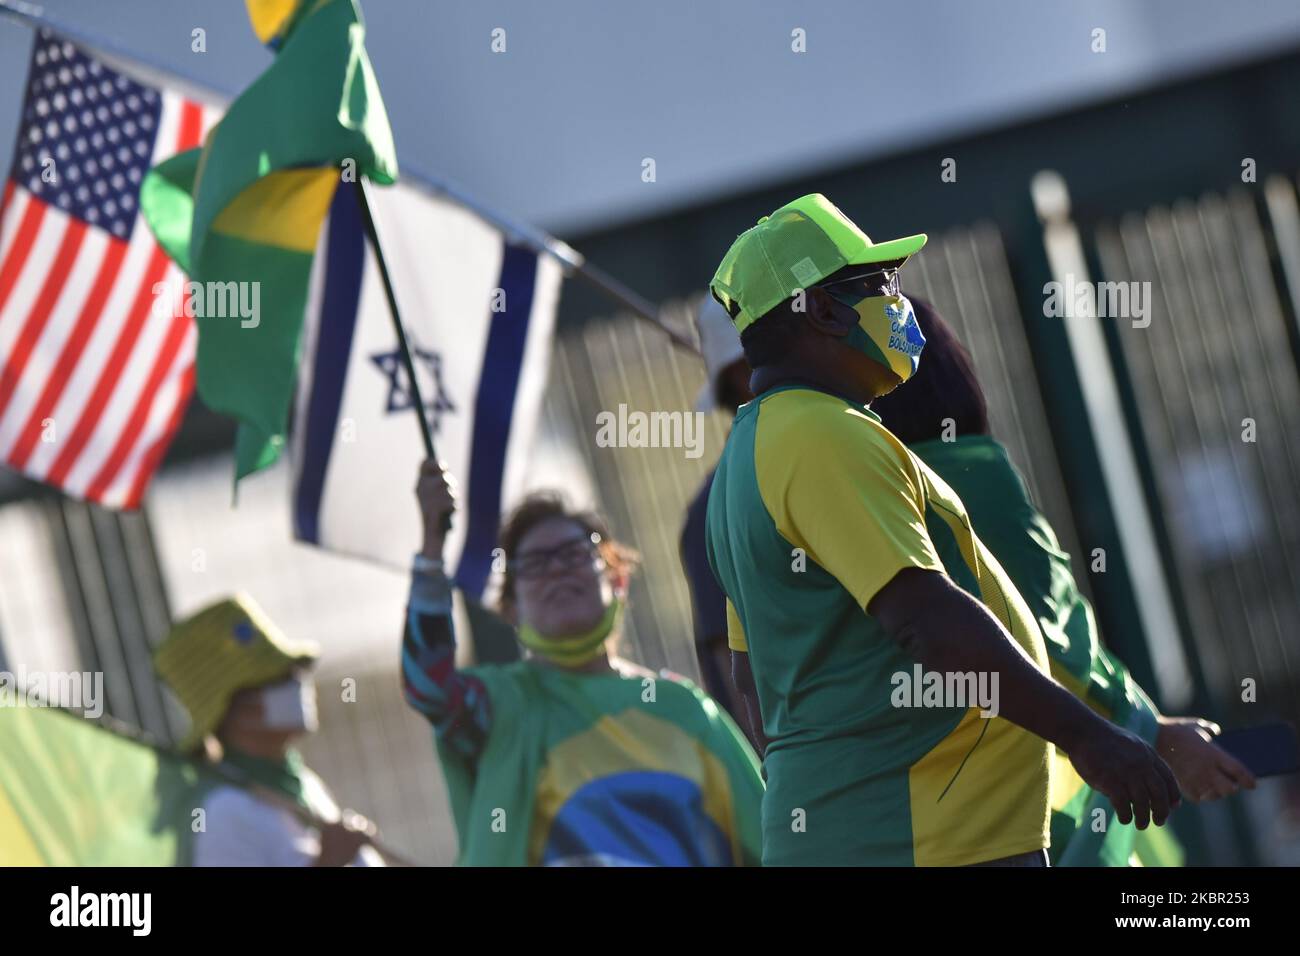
(1205,771)
(340,842)
(1120,765)
(436,492)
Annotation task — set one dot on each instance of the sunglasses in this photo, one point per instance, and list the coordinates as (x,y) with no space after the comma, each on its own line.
(563,557)
(876,282)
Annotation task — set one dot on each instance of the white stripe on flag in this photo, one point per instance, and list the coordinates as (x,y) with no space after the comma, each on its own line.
(27,289)
(72,404)
(48,347)
(126,392)
(446,264)
(159,418)
(13,218)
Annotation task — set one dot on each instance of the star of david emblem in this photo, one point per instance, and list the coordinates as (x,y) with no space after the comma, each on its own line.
(428,370)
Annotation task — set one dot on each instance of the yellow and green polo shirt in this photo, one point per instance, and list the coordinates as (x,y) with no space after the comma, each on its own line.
(815,507)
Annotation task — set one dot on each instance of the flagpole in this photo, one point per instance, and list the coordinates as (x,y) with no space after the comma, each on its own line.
(403,345)
(573,262)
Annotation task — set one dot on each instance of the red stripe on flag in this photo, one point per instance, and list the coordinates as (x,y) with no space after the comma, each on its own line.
(108,378)
(191,125)
(140,414)
(155,452)
(21,249)
(8,197)
(42,308)
(61,374)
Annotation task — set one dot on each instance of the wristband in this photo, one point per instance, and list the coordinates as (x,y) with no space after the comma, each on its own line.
(423,564)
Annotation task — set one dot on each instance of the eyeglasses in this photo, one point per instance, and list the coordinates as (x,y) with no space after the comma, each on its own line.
(565,557)
(876,282)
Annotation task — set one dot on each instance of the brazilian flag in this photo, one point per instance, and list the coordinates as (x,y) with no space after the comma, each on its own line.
(75,794)
(248,206)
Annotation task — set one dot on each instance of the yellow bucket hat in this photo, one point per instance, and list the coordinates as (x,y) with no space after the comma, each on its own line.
(222,649)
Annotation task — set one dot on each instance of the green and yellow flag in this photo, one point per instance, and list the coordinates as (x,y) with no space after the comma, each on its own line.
(75,794)
(248,206)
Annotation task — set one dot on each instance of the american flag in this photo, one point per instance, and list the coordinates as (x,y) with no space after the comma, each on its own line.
(93,378)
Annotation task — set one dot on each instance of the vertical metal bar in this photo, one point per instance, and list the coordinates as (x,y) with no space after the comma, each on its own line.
(56,516)
(87,566)
(132,646)
(1106,420)
(152,617)
(1284,215)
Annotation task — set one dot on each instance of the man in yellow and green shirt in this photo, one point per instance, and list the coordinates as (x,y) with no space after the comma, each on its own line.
(942,417)
(852,574)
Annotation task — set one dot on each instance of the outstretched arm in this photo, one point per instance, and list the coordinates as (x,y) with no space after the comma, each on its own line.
(947,630)
(457,704)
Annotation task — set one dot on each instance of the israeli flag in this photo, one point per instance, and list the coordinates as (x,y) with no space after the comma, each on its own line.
(479,313)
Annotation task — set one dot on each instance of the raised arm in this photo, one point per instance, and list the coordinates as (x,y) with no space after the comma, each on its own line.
(457,704)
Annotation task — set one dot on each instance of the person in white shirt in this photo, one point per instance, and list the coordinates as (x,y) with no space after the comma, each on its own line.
(249,694)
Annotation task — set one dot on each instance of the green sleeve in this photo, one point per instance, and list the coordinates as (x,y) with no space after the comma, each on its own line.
(1078,658)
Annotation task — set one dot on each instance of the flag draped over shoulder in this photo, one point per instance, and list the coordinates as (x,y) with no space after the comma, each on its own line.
(247,208)
(75,794)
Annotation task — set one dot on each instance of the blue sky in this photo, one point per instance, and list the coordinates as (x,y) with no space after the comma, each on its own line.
(554,131)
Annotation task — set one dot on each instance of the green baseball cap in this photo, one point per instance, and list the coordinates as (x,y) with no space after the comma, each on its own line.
(797,246)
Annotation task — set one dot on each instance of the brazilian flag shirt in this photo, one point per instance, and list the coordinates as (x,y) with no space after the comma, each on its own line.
(604,771)
(816,507)
(548,767)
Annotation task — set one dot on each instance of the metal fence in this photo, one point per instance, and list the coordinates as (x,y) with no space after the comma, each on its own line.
(1217,401)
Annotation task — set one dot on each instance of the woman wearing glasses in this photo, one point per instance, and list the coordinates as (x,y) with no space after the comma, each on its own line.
(571,756)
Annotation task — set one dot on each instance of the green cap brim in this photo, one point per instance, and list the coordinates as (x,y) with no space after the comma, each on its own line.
(889,251)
